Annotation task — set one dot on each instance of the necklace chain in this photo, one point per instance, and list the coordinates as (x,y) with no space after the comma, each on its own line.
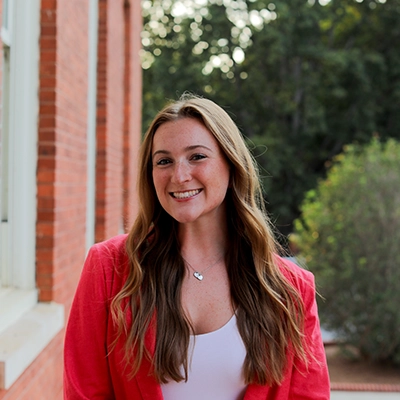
(199,274)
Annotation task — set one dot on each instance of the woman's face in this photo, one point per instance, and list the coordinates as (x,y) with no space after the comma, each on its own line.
(190,172)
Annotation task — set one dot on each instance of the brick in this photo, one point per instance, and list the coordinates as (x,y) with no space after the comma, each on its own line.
(47,149)
(48,30)
(48,56)
(47,109)
(49,4)
(48,81)
(48,43)
(48,16)
(62,153)
(44,229)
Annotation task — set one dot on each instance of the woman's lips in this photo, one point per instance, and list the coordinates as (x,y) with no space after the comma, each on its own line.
(185,195)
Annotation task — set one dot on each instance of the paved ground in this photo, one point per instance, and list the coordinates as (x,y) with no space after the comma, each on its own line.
(341,395)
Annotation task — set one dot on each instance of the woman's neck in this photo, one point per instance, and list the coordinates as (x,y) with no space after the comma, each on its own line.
(203,242)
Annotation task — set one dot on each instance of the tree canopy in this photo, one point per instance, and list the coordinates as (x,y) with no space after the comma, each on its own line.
(301,78)
(348,235)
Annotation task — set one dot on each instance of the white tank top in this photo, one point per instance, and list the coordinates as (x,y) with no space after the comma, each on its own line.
(215,371)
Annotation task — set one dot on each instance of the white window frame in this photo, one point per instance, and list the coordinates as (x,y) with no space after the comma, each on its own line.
(4,154)
(26,326)
(91,123)
(7,21)
(19,159)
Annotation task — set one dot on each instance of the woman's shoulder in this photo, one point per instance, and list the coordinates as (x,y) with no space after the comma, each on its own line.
(115,246)
(106,266)
(109,255)
(298,276)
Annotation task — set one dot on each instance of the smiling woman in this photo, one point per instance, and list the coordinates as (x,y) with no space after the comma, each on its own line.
(186,161)
(197,282)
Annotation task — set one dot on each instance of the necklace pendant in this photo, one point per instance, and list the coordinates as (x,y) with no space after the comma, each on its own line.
(198,275)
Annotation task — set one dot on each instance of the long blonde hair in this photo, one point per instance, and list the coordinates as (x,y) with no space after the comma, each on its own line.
(269,310)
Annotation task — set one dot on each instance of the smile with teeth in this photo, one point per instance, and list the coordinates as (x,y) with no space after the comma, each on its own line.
(185,195)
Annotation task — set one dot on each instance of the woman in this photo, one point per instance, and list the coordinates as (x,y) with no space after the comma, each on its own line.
(195,303)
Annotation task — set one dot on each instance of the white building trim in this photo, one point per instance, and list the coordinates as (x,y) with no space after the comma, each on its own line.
(26,326)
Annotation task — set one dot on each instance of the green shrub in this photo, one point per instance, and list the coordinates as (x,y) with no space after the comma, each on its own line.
(349,236)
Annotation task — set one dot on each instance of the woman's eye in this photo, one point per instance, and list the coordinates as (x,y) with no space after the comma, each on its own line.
(163,161)
(196,157)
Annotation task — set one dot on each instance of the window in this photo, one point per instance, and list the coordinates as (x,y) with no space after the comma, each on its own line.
(18,162)
(26,326)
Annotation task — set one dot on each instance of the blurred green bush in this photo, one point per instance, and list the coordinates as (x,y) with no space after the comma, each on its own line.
(349,236)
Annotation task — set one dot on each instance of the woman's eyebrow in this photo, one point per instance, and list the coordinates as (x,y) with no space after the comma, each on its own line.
(196,146)
(188,148)
(161,152)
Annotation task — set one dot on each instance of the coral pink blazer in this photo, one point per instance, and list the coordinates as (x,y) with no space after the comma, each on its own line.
(91,373)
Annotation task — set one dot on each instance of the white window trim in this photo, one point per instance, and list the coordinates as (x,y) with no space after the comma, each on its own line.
(91,130)
(23,129)
(7,17)
(26,326)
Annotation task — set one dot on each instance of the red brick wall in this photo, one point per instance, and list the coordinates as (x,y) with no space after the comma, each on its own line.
(110,122)
(71,136)
(127,119)
(62,155)
(118,115)
(61,173)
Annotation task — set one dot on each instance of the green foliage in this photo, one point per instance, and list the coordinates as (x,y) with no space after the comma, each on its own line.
(349,236)
(313,79)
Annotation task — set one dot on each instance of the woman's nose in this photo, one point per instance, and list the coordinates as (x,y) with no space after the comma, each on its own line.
(181,172)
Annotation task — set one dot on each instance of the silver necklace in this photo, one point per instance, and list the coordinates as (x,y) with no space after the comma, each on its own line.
(200,275)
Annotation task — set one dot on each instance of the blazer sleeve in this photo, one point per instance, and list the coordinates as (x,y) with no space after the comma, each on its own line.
(311,382)
(86,370)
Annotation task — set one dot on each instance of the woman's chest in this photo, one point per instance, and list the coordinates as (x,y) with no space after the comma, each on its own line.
(207,303)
